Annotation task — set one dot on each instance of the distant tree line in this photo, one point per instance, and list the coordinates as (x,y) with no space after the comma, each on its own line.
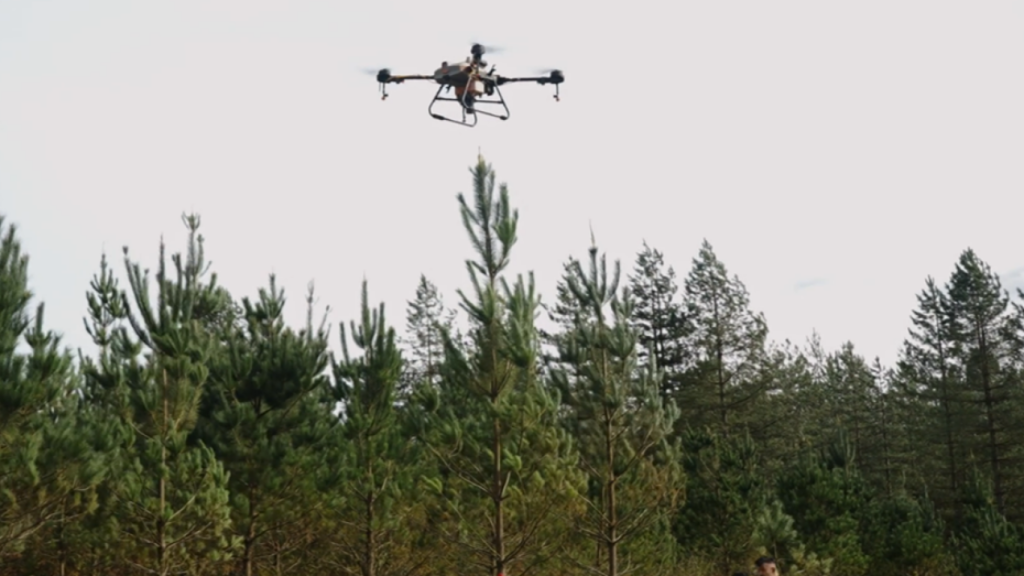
(654,430)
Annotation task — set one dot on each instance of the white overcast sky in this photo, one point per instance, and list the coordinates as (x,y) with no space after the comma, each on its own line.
(835,154)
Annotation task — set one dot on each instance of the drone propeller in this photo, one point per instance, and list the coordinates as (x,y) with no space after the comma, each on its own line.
(479,49)
(382,74)
(556,76)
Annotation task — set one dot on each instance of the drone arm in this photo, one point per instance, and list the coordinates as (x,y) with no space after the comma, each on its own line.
(400,79)
(555,78)
(384,77)
(538,79)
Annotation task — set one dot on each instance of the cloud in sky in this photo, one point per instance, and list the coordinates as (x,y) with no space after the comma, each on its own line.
(805,284)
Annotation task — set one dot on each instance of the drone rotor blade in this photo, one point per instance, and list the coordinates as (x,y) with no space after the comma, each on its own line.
(486,48)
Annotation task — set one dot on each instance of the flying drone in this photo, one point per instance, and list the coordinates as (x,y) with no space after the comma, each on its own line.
(474,85)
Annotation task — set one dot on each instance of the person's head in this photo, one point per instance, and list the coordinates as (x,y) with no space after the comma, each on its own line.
(766,566)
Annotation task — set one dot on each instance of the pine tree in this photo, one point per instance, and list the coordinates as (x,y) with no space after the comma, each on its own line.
(989,352)
(727,344)
(658,316)
(47,469)
(827,497)
(619,419)
(379,462)
(854,400)
(929,377)
(790,418)
(566,314)
(986,543)
(426,318)
(891,422)
(94,542)
(264,414)
(904,535)
(725,493)
(172,497)
(491,425)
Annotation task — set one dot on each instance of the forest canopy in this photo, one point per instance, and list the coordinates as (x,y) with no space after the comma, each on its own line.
(654,430)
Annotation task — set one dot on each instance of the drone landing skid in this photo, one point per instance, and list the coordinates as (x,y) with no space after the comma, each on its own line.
(467,108)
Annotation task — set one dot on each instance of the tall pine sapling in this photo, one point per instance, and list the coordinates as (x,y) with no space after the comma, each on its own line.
(491,423)
(378,456)
(619,418)
(34,395)
(172,498)
(265,417)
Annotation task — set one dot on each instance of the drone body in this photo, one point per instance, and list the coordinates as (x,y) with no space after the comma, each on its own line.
(473,83)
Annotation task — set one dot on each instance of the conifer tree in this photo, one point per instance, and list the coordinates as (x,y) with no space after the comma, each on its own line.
(986,543)
(565,314)
(658,316)
(95,541)
(725,494)
(265,415)
(620,421)
(790,419)
(986,333)
(727,344)
(566,311)
(171,495)
(379,463)
(930,377)
(426,318)
(849,386)
(894,454)
(854,400)
(491,425)
(78,447)
(827,497)
(45,468)
(904,535)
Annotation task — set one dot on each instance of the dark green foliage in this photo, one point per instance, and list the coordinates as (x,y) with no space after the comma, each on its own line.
(620,420)
(377,463)
(903,534)
(426,320)
(264,415)
(662,326)
(854,399)
(727,346)
(986,337)
(47,471)
(725,494)
(565,313)
(648,432)
(986,543)
(171,495)
(827,497)
(491,424)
